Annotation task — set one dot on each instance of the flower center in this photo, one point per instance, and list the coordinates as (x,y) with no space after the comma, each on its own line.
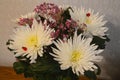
(32,40)
(88,20)
(75,56)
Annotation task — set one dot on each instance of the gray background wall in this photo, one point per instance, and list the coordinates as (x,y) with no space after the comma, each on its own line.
(11,9)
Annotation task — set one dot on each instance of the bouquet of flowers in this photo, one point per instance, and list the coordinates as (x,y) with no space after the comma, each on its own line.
(58,43)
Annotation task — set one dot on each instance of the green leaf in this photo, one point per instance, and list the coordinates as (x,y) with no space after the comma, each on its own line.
(10,49)
(91,75)
(18,67)
(28,72)
(100,42)
(98,71)
(107,39)
(66,14)
(9,42)
(72,75)
(67,78)
(38,77)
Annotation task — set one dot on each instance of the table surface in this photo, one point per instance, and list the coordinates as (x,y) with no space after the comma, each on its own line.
(8,73)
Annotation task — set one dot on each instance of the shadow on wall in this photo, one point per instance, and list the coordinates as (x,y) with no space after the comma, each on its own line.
(112,53)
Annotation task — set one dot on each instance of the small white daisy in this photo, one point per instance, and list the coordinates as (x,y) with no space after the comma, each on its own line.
(76,53)
(89,22)
(29,16)
(30,41)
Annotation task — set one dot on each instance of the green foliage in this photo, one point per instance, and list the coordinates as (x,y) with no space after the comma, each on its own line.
(44,69)
(91,75)
(19,67)
(10,49)
(66,14)
(9,42)
(98,71)
(100,42)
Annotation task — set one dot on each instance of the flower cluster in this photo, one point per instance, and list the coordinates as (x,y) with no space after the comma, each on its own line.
(62,41)
(48,10)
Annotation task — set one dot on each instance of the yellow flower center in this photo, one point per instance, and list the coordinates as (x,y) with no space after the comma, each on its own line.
(88,20)
(75,56)
(32,40)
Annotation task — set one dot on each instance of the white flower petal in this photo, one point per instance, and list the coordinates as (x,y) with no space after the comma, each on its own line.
(76,53)
(94,23)
(30,40)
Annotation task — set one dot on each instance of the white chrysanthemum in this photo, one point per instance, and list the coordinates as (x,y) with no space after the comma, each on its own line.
(30,41)
(76,53)
(91,23)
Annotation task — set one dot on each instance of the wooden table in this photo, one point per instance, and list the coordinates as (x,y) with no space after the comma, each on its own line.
(7,73)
